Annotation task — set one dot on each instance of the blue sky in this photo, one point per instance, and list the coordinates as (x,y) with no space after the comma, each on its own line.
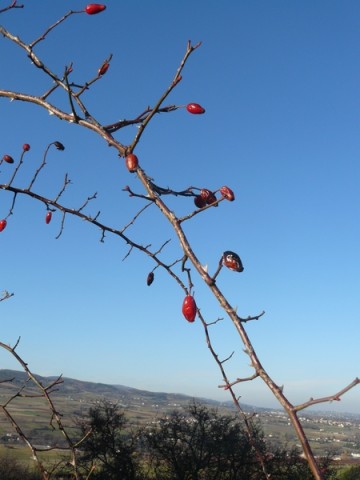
(280,84)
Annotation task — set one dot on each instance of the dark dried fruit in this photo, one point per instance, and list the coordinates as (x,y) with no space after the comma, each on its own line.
(199,201)
(227,193)
(195,108)
(189,308)
(104,68)
(132,162)
(211,199)
(59,146)
(48,217)
(8,159)
(150,279)
(94,8)
(205,193)
(3,224)
(26,147)
(232,261)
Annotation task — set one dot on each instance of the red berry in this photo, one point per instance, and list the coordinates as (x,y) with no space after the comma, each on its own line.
(195,108)
(104,68)
(189,308)
(48,217)
(94,8)
(8,159)
(227,193)
(232,261)
(150,279)
(26,147)
(132,162)
(199,201)
(3,224)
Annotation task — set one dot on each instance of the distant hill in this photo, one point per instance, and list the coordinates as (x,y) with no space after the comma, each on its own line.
(88,392)
(73,399)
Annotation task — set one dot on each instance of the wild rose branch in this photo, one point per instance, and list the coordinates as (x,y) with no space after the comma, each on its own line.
(154,196)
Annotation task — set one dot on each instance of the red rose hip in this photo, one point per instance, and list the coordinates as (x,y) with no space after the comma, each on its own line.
(189,308)
(227,193)
(48,218)
(132,162)
(3,224)
(94,8)
(195,108)
(103,69)
(8,159)
(26,147)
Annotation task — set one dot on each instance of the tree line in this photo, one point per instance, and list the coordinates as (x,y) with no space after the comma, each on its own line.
(193,443)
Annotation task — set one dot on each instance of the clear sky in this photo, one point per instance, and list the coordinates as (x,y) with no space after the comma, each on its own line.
(280,84)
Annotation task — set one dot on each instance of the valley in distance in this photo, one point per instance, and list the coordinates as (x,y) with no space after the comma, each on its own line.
(337,433)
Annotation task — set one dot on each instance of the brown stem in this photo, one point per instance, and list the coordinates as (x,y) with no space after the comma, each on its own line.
(237,321)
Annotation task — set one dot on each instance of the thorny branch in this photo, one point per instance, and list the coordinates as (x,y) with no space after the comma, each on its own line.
(154,196)
(55,421)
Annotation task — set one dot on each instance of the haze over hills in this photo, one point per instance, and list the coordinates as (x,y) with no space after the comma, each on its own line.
(73,399)
(11,380)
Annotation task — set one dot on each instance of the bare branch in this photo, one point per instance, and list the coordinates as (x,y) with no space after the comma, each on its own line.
(331,398)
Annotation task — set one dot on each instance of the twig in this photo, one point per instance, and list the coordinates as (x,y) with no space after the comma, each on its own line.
(331,398)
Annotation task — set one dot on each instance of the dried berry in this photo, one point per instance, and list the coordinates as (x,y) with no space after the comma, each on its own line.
(94,8)
(150,279)
(8,159)
(211,199)
(59,146)
(132,162)
(26,147)
(232,261)
(48,217)
(199,201)
(195,108)
(205,193)
(189,308)
(3,224)
(104,68)
(227,193)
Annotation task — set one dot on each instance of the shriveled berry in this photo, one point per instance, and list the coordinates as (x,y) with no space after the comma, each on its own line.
(48,217)
(227,193)
(150,279)
(94,8)
(132,162)
(195,108)
(59,145)
(3,224)
(8,159)
(26,147)
(205,193)
(211,199)
(199,201)
(189,308)
(232,261)
(104,68)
